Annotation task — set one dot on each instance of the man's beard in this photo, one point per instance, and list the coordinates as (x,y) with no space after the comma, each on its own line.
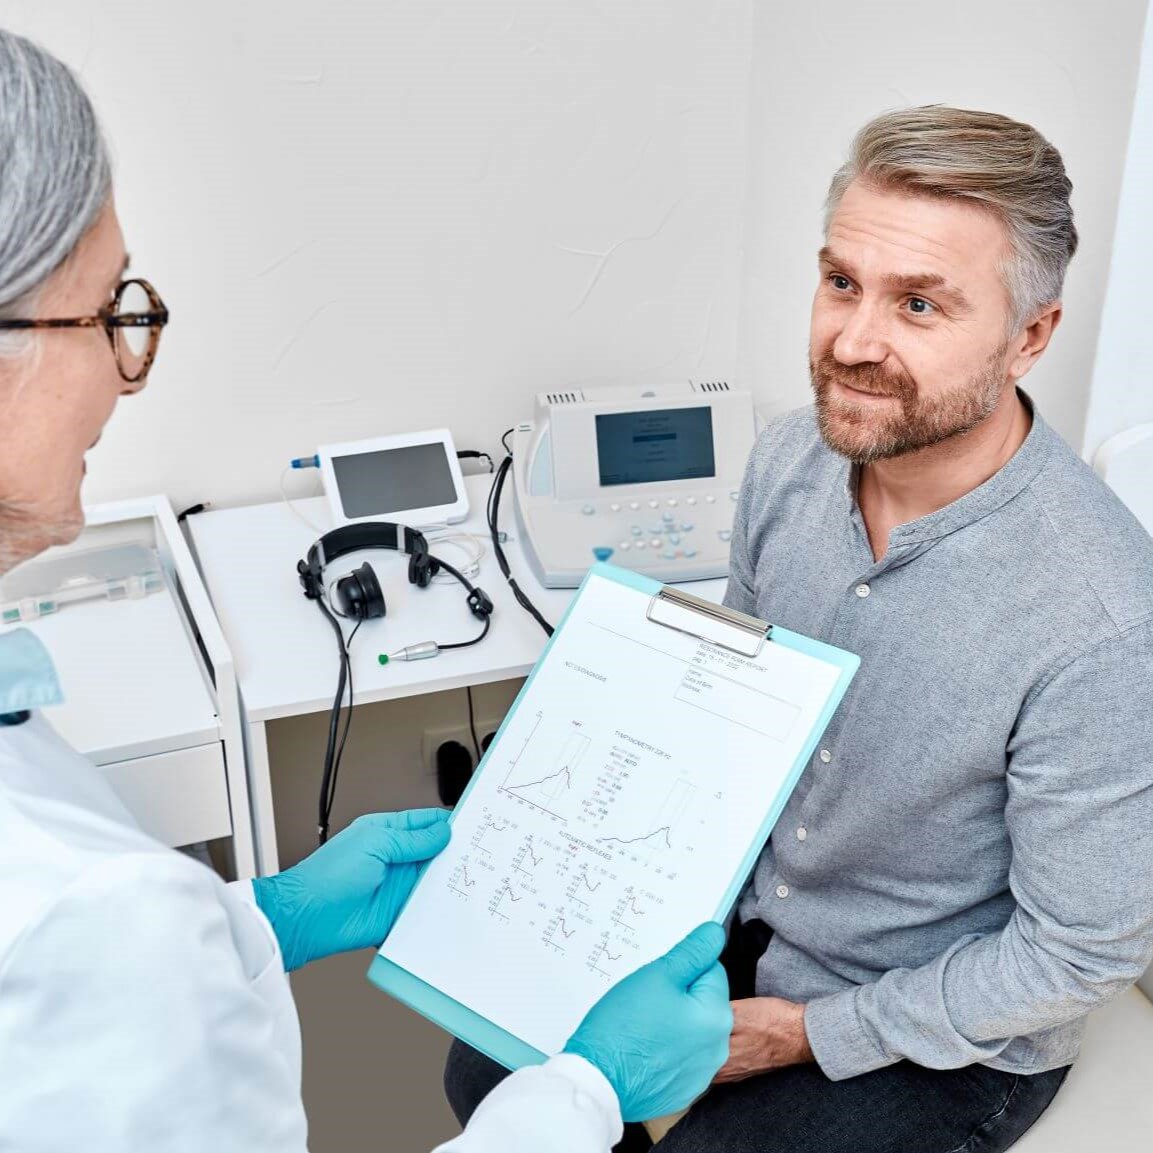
(863,435)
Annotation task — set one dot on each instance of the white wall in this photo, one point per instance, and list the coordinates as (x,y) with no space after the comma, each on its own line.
(1065,66)
(1123,372)
(369,217)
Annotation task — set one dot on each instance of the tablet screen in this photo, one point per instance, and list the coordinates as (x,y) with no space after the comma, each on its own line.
(393,480)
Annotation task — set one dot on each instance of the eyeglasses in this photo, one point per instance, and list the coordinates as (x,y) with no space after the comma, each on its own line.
(132,321)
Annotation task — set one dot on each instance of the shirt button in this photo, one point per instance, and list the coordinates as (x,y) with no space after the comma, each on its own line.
(782,891)
(862,591)
(825,756)
(802,833)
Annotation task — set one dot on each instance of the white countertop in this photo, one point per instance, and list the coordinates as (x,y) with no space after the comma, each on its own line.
(132,682)
(285,651)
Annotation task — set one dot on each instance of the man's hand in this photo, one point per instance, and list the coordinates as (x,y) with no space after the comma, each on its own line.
(768,1033)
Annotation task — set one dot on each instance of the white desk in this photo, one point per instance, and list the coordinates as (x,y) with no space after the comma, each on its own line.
(284,650)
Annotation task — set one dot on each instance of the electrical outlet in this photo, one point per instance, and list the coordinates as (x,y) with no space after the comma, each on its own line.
(432,739)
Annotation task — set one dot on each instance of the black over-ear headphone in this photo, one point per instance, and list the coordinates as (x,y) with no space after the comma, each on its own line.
(358,597)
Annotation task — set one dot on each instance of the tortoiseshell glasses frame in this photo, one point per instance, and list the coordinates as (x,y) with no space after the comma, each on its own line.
(133,366)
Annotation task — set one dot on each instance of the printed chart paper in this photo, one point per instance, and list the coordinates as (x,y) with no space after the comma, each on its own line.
(611,815)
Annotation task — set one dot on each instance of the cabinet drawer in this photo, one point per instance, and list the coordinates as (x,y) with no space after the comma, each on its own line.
(179,797)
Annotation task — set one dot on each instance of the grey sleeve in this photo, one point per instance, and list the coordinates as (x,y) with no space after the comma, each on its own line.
(1079,814)
(740,593)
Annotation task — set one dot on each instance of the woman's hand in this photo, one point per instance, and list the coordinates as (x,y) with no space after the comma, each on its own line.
(348,893)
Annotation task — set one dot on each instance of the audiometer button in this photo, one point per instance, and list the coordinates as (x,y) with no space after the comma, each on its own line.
(687,526)
(674,538)
(710,499)
(656,542)
(624,546)
(588,510)
(725,534)
(634,505)
(671,502)
(602,552)
(690,500)
(733,495)
(670,554)
(654,504)
(637,530)
(614,508)
(667,516)
(690,553)
(641,544)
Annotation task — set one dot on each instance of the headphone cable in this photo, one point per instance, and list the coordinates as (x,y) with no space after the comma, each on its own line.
(453,572)
(334,750)
(347,720)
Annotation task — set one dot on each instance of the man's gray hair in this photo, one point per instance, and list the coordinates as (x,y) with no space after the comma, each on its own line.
(55,175)
(1007,167)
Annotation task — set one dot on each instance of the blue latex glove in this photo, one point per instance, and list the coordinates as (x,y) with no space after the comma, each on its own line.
(348,893)
(660,1036)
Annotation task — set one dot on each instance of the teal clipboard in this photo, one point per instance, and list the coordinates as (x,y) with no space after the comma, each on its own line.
(477,1030)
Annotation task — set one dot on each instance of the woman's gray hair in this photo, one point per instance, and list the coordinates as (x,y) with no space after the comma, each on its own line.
(1007,167)
(55,175)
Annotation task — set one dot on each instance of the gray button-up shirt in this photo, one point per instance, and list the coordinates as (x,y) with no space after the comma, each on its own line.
(966,867)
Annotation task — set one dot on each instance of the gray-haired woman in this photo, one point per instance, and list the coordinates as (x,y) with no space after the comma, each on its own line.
(143,1002)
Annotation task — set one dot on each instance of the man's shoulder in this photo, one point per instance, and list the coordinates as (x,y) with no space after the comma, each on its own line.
(1096,536)
(797,427)
(788,438)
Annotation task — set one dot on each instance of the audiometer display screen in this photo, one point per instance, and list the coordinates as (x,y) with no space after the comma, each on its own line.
(655,445)
(394,479)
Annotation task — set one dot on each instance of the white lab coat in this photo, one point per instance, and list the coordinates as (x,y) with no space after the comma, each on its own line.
(144,1004)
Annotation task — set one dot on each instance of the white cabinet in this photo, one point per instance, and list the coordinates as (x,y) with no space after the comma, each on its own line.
(150,693)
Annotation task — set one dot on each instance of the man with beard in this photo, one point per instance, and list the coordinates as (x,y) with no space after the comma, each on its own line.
(965,869)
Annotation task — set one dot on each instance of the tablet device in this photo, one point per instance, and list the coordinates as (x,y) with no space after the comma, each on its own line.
(412,477)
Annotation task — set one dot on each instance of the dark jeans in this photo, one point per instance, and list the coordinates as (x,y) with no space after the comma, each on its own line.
(903,1108)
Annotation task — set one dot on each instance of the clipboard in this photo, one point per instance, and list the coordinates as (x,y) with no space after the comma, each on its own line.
(723,630)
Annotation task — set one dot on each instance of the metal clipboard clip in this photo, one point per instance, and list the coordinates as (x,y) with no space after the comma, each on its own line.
(726,628)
